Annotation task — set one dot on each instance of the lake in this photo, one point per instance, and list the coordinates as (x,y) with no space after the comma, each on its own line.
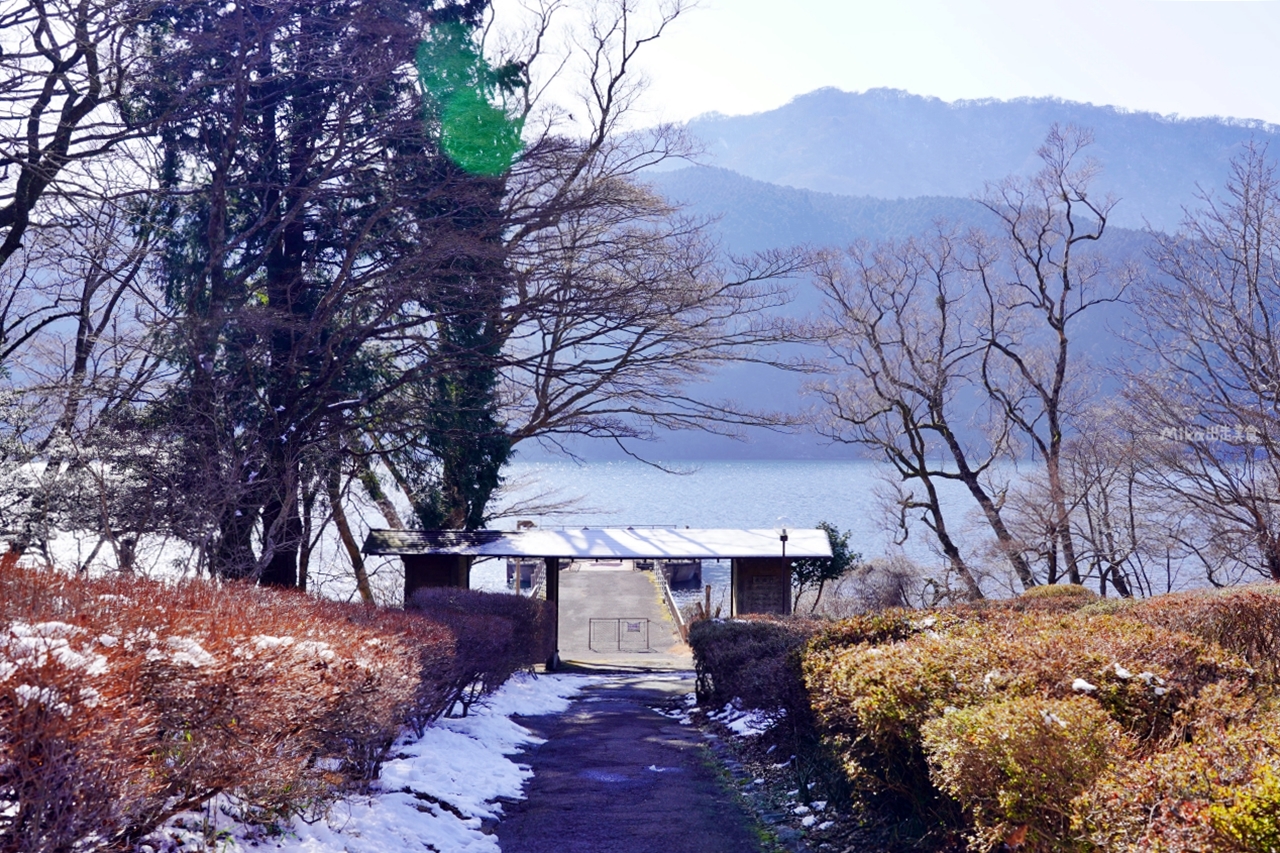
(720,493)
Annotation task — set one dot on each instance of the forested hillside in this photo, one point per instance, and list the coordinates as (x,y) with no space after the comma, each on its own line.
(892,144)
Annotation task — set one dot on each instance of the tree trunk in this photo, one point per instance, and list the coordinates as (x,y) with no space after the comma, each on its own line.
(282,532)
(949,547)
(989,509)
(334,483)
(1272,554)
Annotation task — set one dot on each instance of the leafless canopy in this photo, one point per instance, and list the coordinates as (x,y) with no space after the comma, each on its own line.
(1207,397)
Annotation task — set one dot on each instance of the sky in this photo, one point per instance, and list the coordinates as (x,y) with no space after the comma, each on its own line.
(1189,57)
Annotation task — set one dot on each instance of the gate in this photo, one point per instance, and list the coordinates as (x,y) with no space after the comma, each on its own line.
(618,635)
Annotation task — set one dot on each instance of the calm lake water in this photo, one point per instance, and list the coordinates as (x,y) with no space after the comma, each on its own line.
(750,494)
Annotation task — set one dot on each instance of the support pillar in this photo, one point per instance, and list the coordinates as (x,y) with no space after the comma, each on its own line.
(553,598)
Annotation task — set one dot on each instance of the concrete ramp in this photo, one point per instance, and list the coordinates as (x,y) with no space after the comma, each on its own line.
(614,618)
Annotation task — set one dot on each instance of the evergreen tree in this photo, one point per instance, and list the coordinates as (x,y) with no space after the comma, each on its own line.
(307,217)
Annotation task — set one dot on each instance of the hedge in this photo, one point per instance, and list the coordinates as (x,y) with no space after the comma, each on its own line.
(755,661)
(495,634)
(1054,721)
(124,702)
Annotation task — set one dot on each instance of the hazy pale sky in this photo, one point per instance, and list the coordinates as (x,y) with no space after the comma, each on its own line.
(1191,57)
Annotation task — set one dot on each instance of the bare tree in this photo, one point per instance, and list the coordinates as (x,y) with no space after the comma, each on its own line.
(75,374)
(622,303)
(63,72)
(1039,279)
(904,327)
(624,308)
(1209,391)
(1110,509)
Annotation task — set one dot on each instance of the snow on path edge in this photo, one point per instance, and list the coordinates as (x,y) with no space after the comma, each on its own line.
(434,793)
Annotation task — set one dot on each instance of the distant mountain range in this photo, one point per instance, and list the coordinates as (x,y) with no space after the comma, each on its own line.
(833,167)
(890,144)
(752,215)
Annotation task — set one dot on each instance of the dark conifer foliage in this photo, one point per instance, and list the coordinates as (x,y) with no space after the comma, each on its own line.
(307,212)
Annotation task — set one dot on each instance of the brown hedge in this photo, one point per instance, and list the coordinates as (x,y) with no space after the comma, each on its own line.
(875,699)
(1055,721)
(1014,766)
(495,634)
(1215,793)
(123,701)
(1245,621)
(754,660)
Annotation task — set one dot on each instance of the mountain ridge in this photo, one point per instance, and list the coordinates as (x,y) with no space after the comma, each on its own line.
(884,91)
(891,144)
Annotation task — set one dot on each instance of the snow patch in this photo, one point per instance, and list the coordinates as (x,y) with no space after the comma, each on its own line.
(262,642)
(33,645)
(434,793)
(188,651)
(46,696)
(747,723)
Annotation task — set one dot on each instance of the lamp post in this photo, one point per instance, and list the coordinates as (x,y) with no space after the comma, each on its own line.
(780,527)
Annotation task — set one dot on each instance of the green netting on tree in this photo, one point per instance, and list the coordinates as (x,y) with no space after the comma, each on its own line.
(475,133)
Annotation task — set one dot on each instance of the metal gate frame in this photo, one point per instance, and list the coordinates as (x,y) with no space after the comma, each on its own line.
(641,626)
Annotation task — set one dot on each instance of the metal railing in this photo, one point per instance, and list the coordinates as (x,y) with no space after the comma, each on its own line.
(670,600)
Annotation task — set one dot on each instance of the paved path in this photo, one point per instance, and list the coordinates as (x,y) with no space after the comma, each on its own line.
(615,776)
(588,592)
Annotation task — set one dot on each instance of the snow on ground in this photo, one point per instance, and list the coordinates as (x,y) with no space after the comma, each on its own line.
(746,723)
(684,716)
(434,793)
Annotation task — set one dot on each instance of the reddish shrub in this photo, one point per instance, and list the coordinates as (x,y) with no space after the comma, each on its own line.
(495,634)
(1245,621)
(189,690)
(74,748)
(434,645)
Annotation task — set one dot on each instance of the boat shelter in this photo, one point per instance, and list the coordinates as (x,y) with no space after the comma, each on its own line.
(760,572)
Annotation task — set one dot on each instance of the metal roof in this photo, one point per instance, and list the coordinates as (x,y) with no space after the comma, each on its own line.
(625,543)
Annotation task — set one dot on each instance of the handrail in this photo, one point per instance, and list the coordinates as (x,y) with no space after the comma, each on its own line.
(671,603)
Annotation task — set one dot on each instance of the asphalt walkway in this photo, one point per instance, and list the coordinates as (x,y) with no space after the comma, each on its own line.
(615,776)
(632,628)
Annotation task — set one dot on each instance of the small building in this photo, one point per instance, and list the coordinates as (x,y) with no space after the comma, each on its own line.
(760,574)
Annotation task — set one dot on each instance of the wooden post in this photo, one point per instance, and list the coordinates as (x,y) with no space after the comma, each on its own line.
(553,598)
(732,588)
